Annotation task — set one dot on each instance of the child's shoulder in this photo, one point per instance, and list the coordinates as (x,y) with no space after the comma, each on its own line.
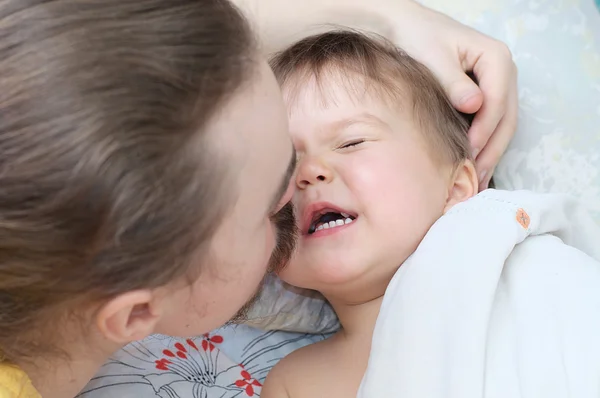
(302,371)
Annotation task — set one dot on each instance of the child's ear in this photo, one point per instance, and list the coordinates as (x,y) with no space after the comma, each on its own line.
(463,185)
(128,317)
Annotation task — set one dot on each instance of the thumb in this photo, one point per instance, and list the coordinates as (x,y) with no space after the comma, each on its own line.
(464,94)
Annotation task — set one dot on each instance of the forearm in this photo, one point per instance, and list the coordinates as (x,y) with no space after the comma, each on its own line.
(281,22)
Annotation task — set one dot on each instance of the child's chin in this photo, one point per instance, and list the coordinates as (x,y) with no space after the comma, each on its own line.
(338,275)
(322,268)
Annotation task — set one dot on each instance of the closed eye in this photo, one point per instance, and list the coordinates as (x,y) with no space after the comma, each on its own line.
(352,144)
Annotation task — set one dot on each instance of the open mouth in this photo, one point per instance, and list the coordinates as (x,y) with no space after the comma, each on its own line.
(329,219)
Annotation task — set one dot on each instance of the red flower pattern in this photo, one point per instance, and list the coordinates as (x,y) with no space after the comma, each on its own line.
(172,362)
(163,364)
(247,383)
(197,367)
(208,343)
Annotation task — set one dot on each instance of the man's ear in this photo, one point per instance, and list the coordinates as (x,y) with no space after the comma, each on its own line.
(128,317)
(463,185)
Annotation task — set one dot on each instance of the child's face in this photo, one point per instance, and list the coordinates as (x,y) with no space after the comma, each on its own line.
(360,157)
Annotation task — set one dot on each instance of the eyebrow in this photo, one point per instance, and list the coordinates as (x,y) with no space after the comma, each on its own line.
(363,118)
(285,182)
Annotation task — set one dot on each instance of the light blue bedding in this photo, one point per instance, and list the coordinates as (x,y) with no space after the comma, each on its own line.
(230,362)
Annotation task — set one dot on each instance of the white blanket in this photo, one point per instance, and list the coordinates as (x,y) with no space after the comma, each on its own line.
(500,300)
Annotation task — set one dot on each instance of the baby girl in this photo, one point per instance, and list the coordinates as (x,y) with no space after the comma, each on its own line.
(382,156)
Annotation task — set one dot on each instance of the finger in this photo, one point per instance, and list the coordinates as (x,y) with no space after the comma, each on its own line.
(496,74)
(490,156)
(464,94)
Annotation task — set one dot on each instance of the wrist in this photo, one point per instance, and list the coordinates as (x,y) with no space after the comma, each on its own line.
(279,23)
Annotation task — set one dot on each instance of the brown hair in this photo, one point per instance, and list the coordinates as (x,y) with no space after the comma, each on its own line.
(389,71)
(107,183)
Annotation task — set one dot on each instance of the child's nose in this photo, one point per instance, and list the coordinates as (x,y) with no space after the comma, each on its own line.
(312,171)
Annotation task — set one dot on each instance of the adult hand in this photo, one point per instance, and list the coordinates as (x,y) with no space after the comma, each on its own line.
(450,49)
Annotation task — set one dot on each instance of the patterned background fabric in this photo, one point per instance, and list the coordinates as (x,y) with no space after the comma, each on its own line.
(227,363)
(556,45)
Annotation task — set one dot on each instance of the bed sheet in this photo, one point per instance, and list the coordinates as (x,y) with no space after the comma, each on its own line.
(230,362)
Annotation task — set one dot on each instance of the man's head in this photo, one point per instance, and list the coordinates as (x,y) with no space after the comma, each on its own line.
(144,155)
(382,154)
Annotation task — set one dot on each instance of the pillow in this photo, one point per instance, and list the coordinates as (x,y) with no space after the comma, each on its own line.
(281,306)
(556,46)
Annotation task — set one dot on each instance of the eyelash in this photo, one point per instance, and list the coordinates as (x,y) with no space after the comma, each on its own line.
(352,144)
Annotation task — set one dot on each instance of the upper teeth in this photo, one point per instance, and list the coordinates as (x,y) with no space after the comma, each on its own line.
(337,223)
